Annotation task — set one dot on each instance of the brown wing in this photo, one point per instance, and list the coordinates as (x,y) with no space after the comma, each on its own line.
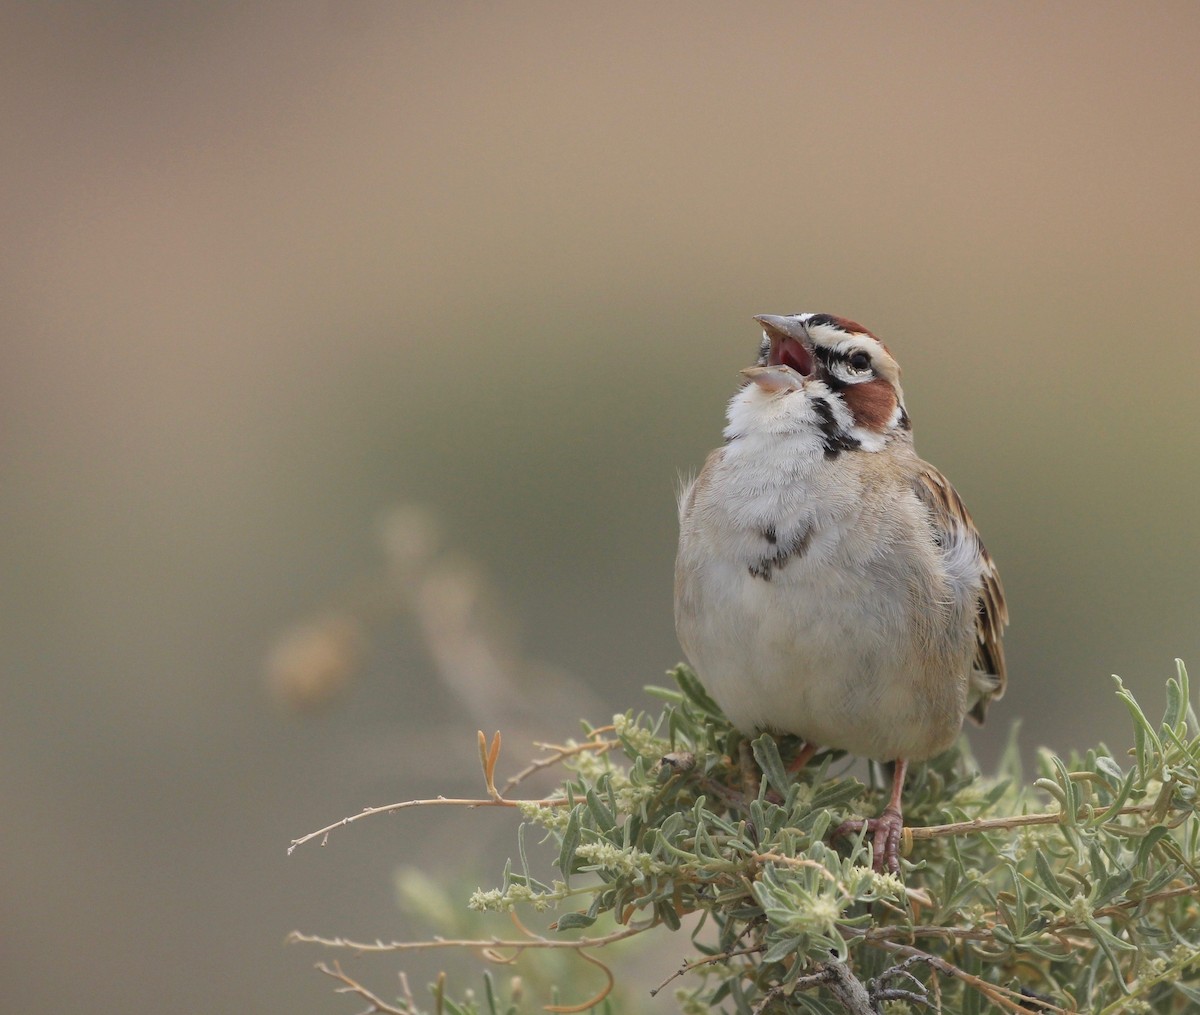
(949,516)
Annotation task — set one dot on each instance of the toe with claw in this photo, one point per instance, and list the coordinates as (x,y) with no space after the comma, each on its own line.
(885,831)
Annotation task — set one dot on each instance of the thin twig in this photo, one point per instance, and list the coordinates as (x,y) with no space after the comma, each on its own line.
(687,967)
(489,754)
(953,933)
(918,993)
(561,753)
(1016,821)
(996,994)
(406,990)
(795,861)
(352,986)
(536,941)
(440,801)
(591,1002)
(835,977)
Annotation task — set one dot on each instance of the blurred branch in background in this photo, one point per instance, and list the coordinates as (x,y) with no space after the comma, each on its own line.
(455,609)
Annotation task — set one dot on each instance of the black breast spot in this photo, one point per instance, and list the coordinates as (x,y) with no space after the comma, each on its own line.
(790,546)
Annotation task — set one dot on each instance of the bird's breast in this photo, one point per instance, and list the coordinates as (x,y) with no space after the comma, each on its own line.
(818,610)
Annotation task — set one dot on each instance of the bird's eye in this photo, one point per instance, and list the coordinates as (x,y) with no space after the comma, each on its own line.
(860,361)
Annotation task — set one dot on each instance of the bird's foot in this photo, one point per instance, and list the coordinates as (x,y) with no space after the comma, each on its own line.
(884,831)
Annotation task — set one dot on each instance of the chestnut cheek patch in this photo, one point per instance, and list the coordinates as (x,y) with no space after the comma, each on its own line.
(872,404)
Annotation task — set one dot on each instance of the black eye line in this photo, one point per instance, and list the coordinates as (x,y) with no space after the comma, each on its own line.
(829,356)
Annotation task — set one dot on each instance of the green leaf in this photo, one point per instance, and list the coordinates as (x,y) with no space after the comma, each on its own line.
(570,842)
(1113,809)
(1046,876)
(1193,726)
(1144,734)
(1002,934)
(665,911)
(663,693)
(837,793)
(1146,846)
(489,992)
(1176,705)
(1112,887)
(784,948)
(1191,993)
(1160,880)
(1073,801)
(950,880)
(574,921)
(766,753)
(605,819)
(972,1000)
(993,795)
(1108,767)
(1110,945)
(521,852)
(694,691)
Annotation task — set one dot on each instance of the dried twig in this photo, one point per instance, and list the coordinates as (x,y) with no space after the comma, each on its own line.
(489,948)
(1009,1000)
(835,977)
(561,753)
(440,801)
(488,756)
(352,986)
(535,941)
(591,1002)
(708,960)
(912,833)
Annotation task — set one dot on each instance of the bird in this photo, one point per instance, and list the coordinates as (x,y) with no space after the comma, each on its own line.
(829,583)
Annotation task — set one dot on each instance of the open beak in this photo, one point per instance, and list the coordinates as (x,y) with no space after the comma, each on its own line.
(775,378)
(790,344)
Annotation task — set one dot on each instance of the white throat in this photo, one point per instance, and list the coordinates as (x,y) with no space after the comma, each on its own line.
(812,418)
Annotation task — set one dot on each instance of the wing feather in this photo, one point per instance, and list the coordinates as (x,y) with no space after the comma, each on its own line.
(951,522)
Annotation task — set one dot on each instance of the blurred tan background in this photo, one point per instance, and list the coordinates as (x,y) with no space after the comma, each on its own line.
(271,270)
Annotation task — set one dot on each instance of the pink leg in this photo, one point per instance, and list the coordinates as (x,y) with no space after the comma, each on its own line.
(884,830)
(803,758)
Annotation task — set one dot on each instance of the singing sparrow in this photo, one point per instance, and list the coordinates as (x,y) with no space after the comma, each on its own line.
(829,583)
